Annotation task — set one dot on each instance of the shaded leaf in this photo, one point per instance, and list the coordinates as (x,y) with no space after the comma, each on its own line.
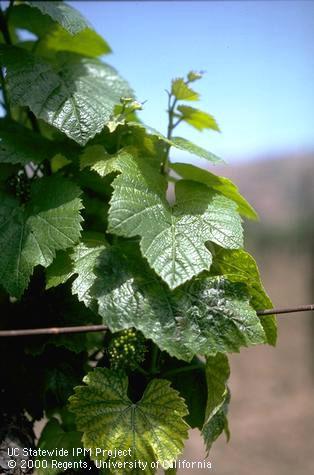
(152,428)
(219,183)
(30,147)
(30,236)
(217,374)
(54,436)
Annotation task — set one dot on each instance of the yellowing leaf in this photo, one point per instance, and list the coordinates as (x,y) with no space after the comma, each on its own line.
(149,430)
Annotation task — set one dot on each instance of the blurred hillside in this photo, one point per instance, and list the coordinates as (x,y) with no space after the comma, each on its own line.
(272,412)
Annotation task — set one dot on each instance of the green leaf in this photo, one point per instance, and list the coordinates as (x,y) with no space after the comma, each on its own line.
(173,238)
(178,142)
(187,146)
(240,266)
(217,374)
(198,119)
(87,43)
(80,262)
(152,428)
(30,236)
(202,317)
(85,257)
(219,183)
(78,98)
(60,270)
(98,159)
(69,18)
(191,386)
(182,91)
(30,147)
(53,437)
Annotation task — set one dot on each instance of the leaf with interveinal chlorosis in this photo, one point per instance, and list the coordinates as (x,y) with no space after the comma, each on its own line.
(182,91)
(87,42)
(179,143)
(172,238)
(78,98)
(60,12)
(240,266)
(149,430)
(30,235)
(54,436)
(218,183)
(217,374)
(204,316)
(198,119)
(30,147)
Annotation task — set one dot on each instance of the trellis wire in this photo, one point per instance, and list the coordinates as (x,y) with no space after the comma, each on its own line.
(102,328)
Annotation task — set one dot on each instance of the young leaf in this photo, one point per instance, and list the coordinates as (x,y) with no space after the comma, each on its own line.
(240,266)
(182,91)
(29,147)
(150,430)
(217,374)
(173,238)
(60,12)
(78,99)
(219,183)
(198,119)
(202,317)
(30,236)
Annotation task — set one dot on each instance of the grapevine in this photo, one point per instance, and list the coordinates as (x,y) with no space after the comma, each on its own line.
(91,238)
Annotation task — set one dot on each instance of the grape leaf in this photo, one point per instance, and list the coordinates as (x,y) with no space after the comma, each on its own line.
(173,238)
(54,437)
(240,266)
(217,374)
(98,159)
(178,142)
(202,317)
(30,236)
(187,146)
(219,183)
(191,386)
(153,428)
(30,147)
(69,18)
(80,262)
(87,42)
(182,91)
(198,119)
(78,99)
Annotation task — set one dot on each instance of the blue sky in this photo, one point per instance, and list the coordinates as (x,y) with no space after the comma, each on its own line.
(258,55)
